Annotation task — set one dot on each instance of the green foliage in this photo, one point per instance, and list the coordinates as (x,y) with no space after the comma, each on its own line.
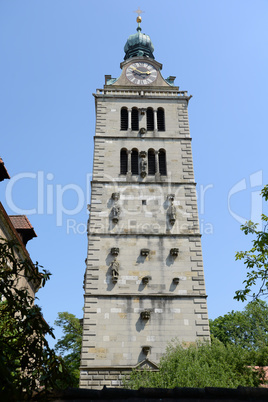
(248,329)
(256,259)
(239,342)
(199,365)
(70,344)
(26,360)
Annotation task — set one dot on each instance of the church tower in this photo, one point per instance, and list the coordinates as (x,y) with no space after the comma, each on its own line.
(144,280)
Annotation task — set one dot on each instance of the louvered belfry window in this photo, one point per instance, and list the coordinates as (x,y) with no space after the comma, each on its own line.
(162,162)
(150,119)
(160,119)
(124,119)
(123,161)
(151,162)
(135,119)
(135,162)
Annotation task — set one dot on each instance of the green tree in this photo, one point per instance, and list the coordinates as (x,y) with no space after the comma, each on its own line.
(256,259)
(200,365)
(248,328)
(26,360)
(70,344)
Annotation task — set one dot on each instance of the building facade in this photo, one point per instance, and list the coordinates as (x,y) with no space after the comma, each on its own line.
(18,229)
(144,280)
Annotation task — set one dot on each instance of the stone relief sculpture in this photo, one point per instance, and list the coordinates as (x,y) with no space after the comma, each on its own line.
(116,209)
(143,164)
(172,213)
(145,315)
(174,252)
(115,251)
(115,270)
(88,208)
(115,196)
(146,279)
(115,213)
(145,252)
(88,226)
(143,130)
(146,349)
(143,168)
(171,197)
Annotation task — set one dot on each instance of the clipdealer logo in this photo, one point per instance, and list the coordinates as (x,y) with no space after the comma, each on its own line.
(51,199)
(50,196)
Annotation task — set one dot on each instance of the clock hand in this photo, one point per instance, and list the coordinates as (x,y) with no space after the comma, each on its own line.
(141,72)
(134,68)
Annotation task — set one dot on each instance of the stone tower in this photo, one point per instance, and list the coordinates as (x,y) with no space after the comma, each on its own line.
(144,280)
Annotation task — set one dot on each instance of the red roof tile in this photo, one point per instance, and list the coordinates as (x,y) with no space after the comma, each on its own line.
(23,227)
(20,222)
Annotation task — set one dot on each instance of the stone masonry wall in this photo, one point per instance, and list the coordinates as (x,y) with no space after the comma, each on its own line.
(116,336)
(100,377)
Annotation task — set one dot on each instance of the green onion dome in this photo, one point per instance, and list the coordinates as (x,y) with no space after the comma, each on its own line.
(139,44)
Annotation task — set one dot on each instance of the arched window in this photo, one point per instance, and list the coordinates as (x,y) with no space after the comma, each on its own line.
(160,119)
(135,119)
(124,119)
(150,119)
(135,162)
(162,162)
(151,162)
(123,161)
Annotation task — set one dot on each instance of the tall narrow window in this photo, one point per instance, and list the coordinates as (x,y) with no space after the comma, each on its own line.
(123,161)
(135,161)
(150,119)
(135,119)
(151,162)
(160,119)
(124,119)
(162,162)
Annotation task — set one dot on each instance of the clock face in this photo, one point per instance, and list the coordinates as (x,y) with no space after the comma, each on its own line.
(141,73)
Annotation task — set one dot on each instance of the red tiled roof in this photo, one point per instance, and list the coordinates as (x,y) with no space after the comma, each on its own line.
(20,222)
(8,222)
(23,227)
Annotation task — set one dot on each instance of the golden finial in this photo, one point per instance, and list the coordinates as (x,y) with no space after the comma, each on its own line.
(139,12)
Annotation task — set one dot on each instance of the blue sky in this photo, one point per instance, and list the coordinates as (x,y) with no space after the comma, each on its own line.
(55,54)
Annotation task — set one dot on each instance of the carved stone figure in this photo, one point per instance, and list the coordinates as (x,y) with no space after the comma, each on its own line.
(115,213)
(115,270)
(145,315)
(171,197)
(143,166)
(146,279)
(115,196)
(146,349)
(88,227)
(172,214)
(142,111)
(174,252)
(88,208)
(145,252)
(115,251)
(143,154)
